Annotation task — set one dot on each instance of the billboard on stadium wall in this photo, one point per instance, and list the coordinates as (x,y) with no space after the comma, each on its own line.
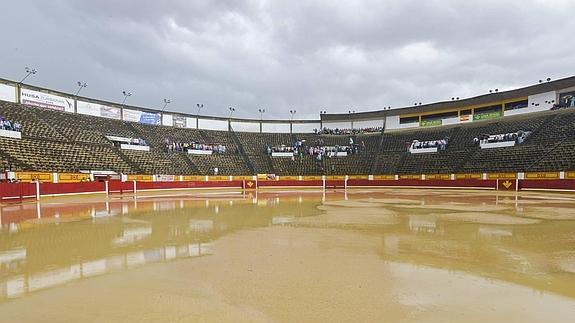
(487,116)
(179,121)
(45,100)
(167,120)
(7,93)
(305,127)
(246,126)
(210,124)
(430,123)
(98,110)
(141,117)
(191,122)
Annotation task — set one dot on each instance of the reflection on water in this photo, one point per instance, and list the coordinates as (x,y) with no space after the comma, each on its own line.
(48,244)
(526,239)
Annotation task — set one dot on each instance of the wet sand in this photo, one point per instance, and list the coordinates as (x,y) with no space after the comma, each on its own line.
(291,257)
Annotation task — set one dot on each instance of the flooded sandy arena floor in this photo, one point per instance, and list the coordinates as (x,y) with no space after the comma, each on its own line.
(380,255)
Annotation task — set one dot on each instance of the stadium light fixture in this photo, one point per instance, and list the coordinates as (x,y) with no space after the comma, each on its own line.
(200,107)
(29,71)
(126,95)
(262,111)
(231,111)
(166,102)
(292,112)
(81,85)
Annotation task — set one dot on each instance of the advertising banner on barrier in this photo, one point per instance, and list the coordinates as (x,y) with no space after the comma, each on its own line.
(142,178)
(438,176)
(142,117)
(7,93)
(409,176)
(72,178)
(501,176)
(98,110)
(469,176)
(165,178)
(32,176)
(384,177)
(542,175)
(45,100)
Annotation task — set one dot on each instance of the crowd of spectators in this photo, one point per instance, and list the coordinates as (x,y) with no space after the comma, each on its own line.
(10,180)
(518,137)
(6,124)
(187,146)
(318,149)
(355,131)
(439,144)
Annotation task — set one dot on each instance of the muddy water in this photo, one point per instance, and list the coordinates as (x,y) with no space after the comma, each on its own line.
(393,255)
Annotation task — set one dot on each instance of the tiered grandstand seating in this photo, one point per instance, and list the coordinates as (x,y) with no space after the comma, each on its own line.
(157,135)
(32,125)
(226,164)
(64,142)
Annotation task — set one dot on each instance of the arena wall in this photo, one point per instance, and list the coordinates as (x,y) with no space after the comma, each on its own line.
(23,190)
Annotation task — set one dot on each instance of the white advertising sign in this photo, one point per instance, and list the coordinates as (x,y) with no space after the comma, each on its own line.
(135,147)
(168,120)
(141,117)
(45,100)
(7,93)
(98,110)
(199,152)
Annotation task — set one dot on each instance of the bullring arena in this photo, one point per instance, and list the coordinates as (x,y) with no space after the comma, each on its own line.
(452,211)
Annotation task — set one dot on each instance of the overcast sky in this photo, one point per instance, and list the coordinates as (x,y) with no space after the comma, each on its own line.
(334,55)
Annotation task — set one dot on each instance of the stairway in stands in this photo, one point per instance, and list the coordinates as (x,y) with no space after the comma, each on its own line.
(135,168)
(378,153)
(190,163)
(242,152)
(11,163)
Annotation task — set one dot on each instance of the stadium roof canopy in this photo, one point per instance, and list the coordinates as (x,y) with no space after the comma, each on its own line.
(457,104)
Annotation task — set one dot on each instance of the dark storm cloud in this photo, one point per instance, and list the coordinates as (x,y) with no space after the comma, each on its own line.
(307,55)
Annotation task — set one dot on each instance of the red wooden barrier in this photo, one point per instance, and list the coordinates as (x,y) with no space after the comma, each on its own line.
(11,191)
(120,187)
(314,183)
(465,183)
(69,188)
(172,185)
(548,184)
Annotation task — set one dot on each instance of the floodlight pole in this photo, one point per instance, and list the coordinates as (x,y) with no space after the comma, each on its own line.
(126,95)
(200,107)
(29,71)
(81,85)
(261,111)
